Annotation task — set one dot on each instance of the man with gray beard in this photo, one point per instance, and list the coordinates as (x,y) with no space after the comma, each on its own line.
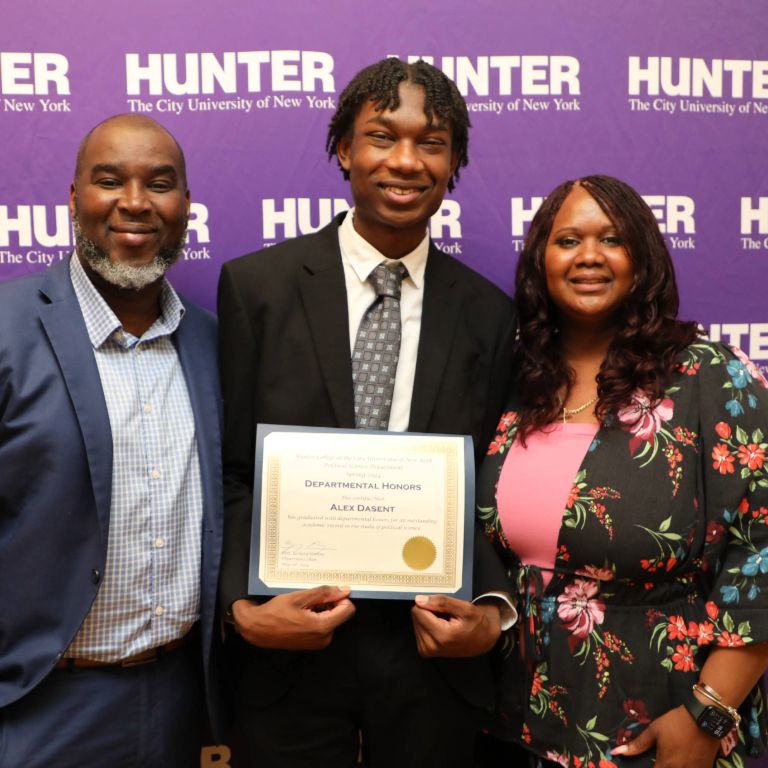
(110,478)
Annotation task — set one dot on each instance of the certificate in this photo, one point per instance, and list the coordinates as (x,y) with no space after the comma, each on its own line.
(389,514)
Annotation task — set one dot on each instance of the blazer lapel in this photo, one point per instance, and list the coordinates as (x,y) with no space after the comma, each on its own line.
(196,348)
(324,293)
(442,306)
(197,357)
(64,325)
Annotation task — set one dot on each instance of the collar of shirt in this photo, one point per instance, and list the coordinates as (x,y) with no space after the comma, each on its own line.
(102,323)
(362,257)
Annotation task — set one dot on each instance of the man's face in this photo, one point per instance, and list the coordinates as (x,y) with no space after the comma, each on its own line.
(399,168)
(129,202)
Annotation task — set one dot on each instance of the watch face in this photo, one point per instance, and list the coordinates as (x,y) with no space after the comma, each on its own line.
(715,721)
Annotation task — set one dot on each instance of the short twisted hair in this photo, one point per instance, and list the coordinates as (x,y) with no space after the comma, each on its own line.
(643,353)
(380,83)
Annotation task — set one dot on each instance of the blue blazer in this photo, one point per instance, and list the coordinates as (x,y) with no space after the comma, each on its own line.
(56,474)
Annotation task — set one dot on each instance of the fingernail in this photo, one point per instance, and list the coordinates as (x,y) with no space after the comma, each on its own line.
(344,589)
(421,599)
(622,750)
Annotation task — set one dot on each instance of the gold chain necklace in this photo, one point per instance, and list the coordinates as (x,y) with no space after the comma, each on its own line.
(568,412)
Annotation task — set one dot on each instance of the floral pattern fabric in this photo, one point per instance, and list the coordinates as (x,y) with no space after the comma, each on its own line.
(662,555)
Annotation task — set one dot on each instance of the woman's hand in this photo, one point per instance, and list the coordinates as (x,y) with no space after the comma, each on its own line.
(679,742)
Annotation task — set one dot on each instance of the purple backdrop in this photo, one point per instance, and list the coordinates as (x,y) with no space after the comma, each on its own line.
(671,97)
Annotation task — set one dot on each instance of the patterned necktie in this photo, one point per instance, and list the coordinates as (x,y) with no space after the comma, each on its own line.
(377,348)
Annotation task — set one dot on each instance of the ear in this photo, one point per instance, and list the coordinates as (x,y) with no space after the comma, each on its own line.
(343,152)
(454,161)
(72,199)
(187,201)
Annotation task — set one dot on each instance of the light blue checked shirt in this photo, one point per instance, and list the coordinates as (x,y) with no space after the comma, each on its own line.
(150,593)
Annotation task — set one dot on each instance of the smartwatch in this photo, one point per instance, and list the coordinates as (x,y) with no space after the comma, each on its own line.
(712,718)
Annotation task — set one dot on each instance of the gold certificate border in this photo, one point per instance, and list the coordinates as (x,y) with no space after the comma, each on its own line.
(449,577)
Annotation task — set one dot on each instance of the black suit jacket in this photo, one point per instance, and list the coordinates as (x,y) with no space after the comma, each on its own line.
(285,359)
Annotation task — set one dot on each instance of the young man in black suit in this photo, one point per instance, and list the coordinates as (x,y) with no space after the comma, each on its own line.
(288,319)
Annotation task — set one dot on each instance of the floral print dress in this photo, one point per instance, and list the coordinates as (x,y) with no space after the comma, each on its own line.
(662,555)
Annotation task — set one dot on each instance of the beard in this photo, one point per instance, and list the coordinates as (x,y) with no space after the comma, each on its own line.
(121,275)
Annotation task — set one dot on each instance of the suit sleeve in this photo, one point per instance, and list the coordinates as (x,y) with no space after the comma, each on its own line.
(490,574)
(239,349)
(500,381)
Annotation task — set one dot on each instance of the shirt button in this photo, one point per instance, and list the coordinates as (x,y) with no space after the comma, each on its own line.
(159,611)
(159,542)
(154,474)
(147,407)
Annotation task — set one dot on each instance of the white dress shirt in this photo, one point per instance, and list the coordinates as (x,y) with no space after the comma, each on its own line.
(359,258)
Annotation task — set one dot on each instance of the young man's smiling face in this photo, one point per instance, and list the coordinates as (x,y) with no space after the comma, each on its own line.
(399,167)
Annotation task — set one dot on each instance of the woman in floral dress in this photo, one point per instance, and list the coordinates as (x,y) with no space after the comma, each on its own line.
(627,490)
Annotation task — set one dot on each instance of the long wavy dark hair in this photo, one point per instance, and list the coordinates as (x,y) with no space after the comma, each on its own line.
(644,352)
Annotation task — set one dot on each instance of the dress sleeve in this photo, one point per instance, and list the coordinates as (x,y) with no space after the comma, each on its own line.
(733,428)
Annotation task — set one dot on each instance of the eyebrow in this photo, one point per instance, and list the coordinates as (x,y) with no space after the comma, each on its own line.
(562,230)
(155,170)
(436,125)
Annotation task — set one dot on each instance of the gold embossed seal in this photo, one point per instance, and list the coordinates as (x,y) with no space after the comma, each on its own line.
(419,553)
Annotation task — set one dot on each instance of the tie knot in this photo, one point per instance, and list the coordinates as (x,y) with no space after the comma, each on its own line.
(386,279)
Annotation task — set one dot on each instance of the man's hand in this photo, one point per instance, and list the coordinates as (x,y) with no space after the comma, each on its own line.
(445,626)
(679,742)
(296,621)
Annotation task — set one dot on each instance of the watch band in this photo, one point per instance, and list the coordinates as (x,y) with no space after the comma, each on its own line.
(715,719)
